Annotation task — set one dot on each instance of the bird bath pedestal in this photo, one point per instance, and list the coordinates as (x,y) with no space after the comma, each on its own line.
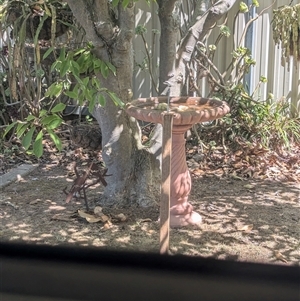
(186,111)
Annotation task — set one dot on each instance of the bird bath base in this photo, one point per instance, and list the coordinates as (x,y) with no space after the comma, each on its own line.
(187,112)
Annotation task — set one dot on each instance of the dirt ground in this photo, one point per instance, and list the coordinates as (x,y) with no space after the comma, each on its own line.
(243,219)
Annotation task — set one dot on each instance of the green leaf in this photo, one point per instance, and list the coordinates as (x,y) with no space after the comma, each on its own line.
(75,68)
(42,113)
(115,3)
(55,139)
(55,123)
(263,79)
(79,51)
(65,67)
(52,122)
(225,30)
(47,53)
(58,108)
(26,141)
(54,90)
(38,145)
(47,119)
(8,128)
(71,94)
(96,83)
(140,30)
(111,67)
(117,101)
(21,128)
(85,81)
(125,3)
(40,26)
(255,3)
(104,70)
(62,54)
(55,65)
(243,7)
(92,103)
(101,100)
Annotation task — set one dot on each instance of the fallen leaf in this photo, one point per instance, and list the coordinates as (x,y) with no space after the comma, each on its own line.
(146,220)
(98,210)
(34,202)
(93,218)
(249,186)
(280,257)
(246,228)
(107,225)
(121,217)
(236,177)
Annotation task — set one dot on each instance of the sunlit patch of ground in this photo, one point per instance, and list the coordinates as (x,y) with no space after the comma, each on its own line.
(246,220)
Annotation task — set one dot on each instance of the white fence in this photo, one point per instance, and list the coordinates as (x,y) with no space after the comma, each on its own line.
(282,82)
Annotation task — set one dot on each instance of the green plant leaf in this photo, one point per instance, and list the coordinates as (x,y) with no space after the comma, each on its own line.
(65,67)
(49,118)
(38,145)
(92,103)
(243,7)
(42,113)
(101,100)
(54,90)
(104,70)
(225,30)
(125,3)
(58,108)
(111,67)
(75,68)
(8,128)
(40,26)
(48,52)
(21,128)
(96,83)
(115,3)
(53,124)
(26,141)
(115,99)
(62,54)
(85,81)
(71,94)
(55,139)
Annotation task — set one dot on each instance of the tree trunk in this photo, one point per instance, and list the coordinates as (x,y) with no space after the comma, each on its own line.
(129,164)
(127,161)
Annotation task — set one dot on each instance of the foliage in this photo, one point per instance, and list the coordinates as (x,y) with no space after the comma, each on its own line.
(41,87)
(286,30)
(265,122)
(78,79)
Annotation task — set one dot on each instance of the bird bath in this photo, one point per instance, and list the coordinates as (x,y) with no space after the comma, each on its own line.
(186,111)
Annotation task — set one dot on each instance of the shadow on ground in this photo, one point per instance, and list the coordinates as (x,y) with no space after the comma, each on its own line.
(249,220)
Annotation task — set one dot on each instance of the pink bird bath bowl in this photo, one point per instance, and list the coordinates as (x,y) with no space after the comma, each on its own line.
(187,111)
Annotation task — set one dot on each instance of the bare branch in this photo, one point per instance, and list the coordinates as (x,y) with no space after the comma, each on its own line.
(196,33)
(251,21)
(211,64)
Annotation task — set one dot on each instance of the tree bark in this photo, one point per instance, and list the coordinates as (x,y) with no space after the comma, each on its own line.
(127,161)
(169,25)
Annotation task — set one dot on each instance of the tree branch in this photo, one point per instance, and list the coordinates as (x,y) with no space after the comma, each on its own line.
(196,33)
